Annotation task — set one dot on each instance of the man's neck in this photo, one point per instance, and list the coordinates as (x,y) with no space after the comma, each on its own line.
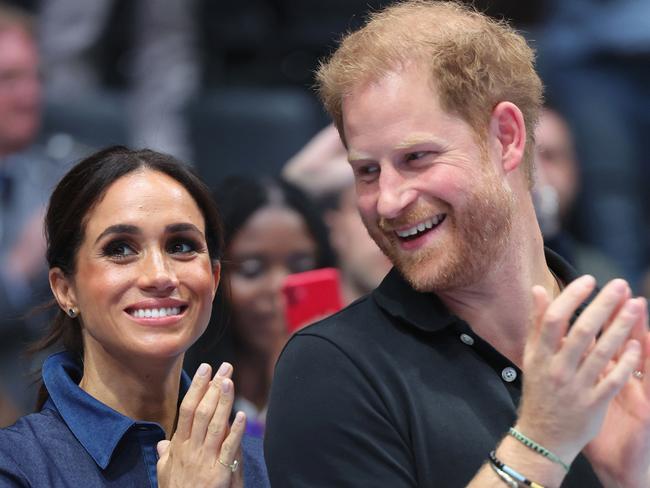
(351,290)
(500,307)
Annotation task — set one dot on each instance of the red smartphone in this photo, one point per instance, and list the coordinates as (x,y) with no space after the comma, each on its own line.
(310,296)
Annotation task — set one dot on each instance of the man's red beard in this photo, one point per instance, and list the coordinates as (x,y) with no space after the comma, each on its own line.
(470,243)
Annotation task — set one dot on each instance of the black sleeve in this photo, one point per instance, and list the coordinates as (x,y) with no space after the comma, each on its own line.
(328,426)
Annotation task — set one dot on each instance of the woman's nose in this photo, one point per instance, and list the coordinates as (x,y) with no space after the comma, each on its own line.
(277,277)
(157,272)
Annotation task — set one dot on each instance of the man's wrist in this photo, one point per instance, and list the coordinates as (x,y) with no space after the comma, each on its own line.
(530,463)
(565,451)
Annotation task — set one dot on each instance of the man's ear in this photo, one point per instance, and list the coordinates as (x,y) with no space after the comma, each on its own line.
(508,127)
(63,289)
(216,276)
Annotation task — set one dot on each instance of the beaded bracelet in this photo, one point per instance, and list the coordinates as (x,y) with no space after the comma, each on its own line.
(510,474)
(531,444)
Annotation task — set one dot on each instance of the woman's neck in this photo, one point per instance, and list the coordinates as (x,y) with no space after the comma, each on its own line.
(142,392)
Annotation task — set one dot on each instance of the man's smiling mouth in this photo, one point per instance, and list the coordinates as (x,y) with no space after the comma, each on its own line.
(421,228)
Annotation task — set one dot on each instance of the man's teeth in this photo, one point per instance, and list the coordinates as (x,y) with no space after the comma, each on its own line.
(421,227)
(155,312)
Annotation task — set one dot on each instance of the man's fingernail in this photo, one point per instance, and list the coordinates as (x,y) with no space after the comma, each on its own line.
(223,369)
(225,386)
(203,370)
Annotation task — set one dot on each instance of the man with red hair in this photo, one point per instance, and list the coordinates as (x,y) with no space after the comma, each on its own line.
(476,362)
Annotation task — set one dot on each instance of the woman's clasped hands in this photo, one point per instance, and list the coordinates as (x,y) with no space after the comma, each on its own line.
(587,385)
(205,449)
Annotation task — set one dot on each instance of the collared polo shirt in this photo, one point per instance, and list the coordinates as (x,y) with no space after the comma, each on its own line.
(75,440)
(393,391)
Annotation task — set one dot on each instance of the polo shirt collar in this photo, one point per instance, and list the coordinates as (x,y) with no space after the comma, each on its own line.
(425,311)
(96,426)
(560,267)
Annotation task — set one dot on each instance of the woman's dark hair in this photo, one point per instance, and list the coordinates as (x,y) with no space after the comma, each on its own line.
(80,190)
(238,198)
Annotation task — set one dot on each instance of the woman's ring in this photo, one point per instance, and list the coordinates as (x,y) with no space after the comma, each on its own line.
(232,467)
(638,374)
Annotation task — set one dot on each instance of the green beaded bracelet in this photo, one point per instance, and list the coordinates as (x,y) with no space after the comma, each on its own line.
(531,444)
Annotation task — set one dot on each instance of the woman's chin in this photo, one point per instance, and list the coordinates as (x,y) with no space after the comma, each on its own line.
(161,350)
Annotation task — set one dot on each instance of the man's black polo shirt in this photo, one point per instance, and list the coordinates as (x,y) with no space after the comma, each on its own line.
(393,391)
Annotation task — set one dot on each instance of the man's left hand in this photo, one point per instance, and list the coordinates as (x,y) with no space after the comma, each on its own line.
(620,454)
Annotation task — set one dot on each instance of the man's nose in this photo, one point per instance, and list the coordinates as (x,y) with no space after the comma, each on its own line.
(395,193)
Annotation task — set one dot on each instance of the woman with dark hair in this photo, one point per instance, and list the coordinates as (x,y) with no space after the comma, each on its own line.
(271,229)
(133,245)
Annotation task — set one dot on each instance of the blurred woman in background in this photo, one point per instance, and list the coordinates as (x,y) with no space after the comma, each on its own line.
(271,230)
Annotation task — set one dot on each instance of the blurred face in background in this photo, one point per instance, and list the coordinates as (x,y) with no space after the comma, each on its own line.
(360,259)
(555,159)
(20,90)
(273,243)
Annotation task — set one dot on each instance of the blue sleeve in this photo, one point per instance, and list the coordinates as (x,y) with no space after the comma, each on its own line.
(11,475)
(255,475)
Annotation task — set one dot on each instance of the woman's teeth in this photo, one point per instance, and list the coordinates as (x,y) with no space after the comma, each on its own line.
(155,312)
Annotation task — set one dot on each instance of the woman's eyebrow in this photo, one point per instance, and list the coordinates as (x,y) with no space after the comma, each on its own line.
(119,229)
(134,230)
(182,227)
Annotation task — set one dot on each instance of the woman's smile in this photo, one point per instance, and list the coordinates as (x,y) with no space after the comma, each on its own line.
(157,312)
(145,280)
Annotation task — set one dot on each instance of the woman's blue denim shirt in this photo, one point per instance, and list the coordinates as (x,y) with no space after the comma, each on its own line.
(75,440)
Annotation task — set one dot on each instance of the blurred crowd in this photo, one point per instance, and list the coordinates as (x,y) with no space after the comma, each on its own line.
(226,87)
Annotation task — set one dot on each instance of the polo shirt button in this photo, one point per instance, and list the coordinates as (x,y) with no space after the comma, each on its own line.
(509,374)
(467,339)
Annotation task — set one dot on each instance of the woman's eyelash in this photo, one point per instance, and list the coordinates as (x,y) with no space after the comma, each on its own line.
(118,249)
(183,246)
(122,249)
(186,245)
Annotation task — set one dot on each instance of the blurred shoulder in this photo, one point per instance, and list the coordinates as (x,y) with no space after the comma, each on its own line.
(37,169)
(354,321)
